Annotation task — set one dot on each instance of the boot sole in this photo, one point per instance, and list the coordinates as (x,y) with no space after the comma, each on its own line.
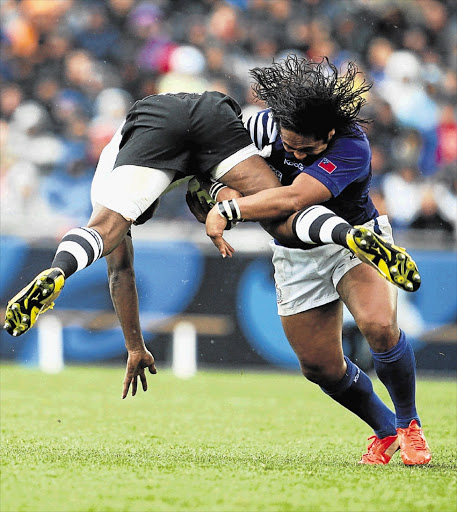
(23,309)
(391,261)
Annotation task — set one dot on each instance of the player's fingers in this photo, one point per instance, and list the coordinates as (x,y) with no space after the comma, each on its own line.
(230,250)
(134,385)
(152,369)
(219,242)
(224,248)
(126,386)
(144,382)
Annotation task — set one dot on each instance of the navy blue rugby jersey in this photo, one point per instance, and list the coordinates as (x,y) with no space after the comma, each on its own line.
(344,167)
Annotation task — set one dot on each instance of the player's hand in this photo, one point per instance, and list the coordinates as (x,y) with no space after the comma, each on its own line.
(136,364)
(215,225)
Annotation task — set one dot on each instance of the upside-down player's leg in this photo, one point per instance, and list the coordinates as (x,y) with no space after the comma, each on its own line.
(78,249)
(250,176)
(82,246)
(38,296)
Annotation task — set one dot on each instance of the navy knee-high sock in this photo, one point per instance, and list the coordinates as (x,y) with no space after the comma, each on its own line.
(396,369)
(355,392)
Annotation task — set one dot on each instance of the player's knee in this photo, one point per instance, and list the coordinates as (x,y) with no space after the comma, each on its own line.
(381,334)
(321,374)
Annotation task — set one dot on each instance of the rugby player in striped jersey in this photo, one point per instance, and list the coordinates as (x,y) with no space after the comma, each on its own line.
(164,138)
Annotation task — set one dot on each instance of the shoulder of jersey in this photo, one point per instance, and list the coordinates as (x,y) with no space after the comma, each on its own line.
(262,129)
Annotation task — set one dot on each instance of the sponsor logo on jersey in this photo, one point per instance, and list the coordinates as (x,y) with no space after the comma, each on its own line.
(298,165)
(327,165)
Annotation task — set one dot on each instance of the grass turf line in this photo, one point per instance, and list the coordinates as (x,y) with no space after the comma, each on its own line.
(217,442)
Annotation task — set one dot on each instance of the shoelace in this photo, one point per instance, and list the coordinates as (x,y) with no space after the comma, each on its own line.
(371,445)
(370,456)
(416,439)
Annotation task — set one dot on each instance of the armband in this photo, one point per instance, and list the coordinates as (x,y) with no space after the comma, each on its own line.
(215,188)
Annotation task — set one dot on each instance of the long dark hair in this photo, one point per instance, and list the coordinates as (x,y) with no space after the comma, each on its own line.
(311,98)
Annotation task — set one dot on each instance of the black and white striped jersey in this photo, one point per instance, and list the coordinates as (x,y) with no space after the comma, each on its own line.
(344,167)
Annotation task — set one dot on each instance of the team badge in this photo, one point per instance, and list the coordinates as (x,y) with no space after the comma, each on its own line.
(327,165)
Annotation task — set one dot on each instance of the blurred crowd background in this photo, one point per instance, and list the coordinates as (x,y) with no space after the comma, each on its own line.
(70,69)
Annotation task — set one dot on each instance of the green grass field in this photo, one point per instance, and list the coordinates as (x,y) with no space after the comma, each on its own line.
(217,442)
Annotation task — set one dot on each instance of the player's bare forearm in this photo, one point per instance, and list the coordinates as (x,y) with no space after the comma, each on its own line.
(228,193)
(277,204)
(125,300)
(124,293)
(282,232)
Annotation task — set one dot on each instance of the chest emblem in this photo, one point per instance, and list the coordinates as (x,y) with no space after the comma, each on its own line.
(327,165)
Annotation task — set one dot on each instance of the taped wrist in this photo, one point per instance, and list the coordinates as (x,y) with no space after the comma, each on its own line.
(215,188)
(230,210)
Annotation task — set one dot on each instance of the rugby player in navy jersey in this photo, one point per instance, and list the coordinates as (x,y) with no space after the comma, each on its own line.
(310,135)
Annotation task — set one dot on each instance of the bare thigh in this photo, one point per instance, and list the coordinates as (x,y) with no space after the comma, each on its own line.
(251,176)
(372,302)
(315,336)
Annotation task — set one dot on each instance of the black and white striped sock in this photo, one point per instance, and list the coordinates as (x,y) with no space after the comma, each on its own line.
(318,225)
(78,249)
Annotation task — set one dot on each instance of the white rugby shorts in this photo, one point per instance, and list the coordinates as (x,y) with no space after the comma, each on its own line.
(306,279)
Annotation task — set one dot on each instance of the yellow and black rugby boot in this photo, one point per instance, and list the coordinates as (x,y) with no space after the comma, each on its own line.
(391,261)
(37,297)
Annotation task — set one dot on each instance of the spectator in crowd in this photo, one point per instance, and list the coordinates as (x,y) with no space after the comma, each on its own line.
(447,136)
(62,54)
(429,216)
(10,98)
(402,192)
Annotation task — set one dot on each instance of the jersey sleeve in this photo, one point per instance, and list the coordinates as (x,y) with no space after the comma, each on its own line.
(263,131)
(346,161)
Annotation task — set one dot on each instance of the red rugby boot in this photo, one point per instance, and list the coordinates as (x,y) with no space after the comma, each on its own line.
(413,445)
(380,451)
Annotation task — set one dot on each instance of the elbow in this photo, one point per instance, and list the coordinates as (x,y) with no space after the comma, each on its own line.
(116,273)
(118,270)
(297,203)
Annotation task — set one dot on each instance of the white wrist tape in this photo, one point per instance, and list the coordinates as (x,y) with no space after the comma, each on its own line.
(229,209)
